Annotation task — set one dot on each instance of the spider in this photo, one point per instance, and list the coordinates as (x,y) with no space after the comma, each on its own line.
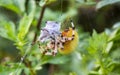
(64,41)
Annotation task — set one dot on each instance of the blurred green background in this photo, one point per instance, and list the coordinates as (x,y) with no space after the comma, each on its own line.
(97,23)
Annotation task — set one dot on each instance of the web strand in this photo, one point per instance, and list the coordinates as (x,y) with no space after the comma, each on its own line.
(60,10)
(22,59)
(61,7)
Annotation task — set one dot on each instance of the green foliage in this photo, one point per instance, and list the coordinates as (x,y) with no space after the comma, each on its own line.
(46,2)
(105,3)
(24,28)
(7,30)
(97,49)
(96,55)
(14,5)
(97,43)
(55,60)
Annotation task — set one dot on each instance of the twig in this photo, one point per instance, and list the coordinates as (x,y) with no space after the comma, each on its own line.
(27,62)
(51,69)
(39,23)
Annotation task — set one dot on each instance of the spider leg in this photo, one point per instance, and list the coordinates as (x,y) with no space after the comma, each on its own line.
(73,28)
(61,46)
(63,39)
(60,42)
(48,47)
(38,44)
(73,32)
(34,42)
(55,46)
(46,52)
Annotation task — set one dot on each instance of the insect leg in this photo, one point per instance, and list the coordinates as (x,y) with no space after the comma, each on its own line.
(73,32)
(55,46)
(73,28)
(49,47)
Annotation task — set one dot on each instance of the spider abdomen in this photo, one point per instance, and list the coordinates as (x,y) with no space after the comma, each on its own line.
(70,45)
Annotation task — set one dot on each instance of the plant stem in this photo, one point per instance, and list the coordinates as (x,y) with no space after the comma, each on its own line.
(38,27)
(51,69)
(39,23)
(28,64)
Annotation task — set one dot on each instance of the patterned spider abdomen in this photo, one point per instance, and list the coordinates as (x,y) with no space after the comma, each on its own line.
(69,45)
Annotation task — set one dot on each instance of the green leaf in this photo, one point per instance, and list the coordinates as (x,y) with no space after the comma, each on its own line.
(20,4)
(7,30)
(72,73)
(109,46)
(93,73)
(105,3)
(10,4)
(58,60)
(116,33)
(27,71)
(24,26)
(55,60)
(116,25)
(25,23)
(97,43)
(46,2)
(12,69)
